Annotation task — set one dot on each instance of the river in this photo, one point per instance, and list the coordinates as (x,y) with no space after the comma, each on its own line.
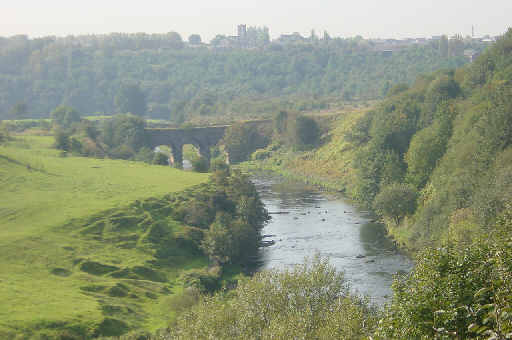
(306,221)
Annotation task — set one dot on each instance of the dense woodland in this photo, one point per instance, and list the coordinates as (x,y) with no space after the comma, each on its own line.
(165,78)
(435,159)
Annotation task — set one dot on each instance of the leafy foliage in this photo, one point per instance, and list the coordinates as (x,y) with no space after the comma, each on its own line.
(64,116)
(449,137)
(303,132)
(160,158)
(241,140)
(456,292)
(396,201)
(131,99)
(92,74)
(311,301)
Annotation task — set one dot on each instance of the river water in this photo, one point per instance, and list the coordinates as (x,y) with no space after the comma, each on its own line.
(306,221)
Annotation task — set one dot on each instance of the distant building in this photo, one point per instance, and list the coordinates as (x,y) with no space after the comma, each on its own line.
(242,32)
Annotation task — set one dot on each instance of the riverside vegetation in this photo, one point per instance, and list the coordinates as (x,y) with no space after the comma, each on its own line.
(433,159)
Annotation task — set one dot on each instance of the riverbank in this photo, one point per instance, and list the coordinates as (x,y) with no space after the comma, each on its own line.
(309,222)
(328,167)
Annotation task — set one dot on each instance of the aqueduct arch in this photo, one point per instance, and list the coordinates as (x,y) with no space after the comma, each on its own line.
(203,138)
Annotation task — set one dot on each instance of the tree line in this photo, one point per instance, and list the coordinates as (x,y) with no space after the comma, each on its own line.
(160,77)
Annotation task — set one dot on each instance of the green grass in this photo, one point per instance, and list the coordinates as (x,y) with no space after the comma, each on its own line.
(329,165)
(54,262)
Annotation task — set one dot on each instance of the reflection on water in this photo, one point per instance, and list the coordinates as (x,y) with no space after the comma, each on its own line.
(306,222)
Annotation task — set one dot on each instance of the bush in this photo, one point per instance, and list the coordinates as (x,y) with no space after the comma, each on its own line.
(241,140)
(260,155)
(303,132)
(65,116)
(62,139)
(160,159)
(426,148)
(218,164)
(200,164)
(4,133)
(311,301)
(396,201)
(456,292)
(206,281)
(398,88)
(145,155)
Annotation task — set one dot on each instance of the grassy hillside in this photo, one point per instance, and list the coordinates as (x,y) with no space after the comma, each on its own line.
(329,165)
(80,239)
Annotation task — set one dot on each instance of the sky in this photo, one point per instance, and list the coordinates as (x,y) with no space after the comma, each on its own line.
(341,18)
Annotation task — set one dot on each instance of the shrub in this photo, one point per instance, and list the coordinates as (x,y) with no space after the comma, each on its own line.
(4,133)
(65,116)
(303,132)
(311,301)
(206,281)
(218,164)
(260,155)
(396,201)
(160,159)
(62,139)
(456,292)
(241,140)
(200,164)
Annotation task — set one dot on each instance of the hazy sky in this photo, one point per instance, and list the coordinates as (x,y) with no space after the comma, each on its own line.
(369,18)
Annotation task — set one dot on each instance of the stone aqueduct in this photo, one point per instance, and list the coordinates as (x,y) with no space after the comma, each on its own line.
(203,138)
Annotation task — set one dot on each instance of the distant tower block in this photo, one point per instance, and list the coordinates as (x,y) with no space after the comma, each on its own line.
(242,31)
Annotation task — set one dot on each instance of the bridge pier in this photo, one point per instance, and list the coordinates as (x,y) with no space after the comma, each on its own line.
(177,156)
(204,151)
(202,138)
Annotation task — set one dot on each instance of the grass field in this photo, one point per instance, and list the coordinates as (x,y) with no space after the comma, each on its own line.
(71,256)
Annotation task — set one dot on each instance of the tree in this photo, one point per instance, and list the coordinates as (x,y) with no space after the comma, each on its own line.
(200,164)
(426,148)
(18,111)
(124,135)
(174,40)
(280,122)
(160,158)
(310,301)
(443,46)
(218,240)
(131,99)
(443,88)
(62,139)
(4,133)
(65,116)
(303,132)
(241,141)
(396,89)
(194,39)
(396,201)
